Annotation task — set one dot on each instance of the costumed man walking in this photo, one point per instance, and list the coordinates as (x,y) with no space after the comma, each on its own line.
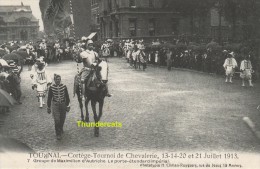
(229,65)
(246,71)
(41,80)
(58,99)
(89,58)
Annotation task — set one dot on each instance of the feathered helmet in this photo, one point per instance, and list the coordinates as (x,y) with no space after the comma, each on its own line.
(40,61)
(141,41)
(89,42)
(232,54)
(15,70)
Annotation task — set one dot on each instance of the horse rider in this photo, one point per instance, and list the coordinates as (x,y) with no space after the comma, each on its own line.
(58,50)
(89,58)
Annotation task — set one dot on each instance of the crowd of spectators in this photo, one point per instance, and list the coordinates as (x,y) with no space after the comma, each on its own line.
(195,55)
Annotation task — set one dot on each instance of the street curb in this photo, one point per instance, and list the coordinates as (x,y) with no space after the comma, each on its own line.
(251,125)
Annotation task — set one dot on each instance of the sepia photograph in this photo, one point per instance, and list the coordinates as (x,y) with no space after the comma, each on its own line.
(130,83)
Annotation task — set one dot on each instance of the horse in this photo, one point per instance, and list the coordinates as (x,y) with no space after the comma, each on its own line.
(95,92)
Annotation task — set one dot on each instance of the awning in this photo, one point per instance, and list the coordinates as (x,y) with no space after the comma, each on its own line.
(92,35)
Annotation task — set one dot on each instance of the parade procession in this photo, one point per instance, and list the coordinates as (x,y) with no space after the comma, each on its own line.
(146,75)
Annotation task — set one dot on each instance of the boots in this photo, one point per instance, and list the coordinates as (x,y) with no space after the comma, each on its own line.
(226,79)
(41,102)
(250,83)
(107,92)
(243,82)
(230,79)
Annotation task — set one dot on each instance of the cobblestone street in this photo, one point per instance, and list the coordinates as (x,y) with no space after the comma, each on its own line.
(159,110)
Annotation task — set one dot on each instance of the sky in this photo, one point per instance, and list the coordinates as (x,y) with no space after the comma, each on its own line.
(34,6)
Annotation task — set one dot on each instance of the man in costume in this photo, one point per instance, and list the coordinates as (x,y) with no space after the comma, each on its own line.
(58,99)
(229,65)
(246,71)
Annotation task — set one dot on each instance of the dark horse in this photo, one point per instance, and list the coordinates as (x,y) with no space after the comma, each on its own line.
(95,92)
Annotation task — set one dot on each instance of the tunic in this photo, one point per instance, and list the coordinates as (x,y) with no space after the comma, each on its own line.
(246,68)
(229,65)
(41,78)
(58,98)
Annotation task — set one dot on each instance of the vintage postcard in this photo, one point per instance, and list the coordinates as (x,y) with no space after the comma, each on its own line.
(129,84)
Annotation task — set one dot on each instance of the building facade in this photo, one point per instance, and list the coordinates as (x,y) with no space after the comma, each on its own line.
(163,18)
(18,23)
(133,18)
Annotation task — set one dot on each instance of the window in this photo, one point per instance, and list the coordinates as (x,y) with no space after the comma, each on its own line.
(116,28)
(2,21)
(151,3)
(165,4)
(109,5)
(131,3)
(132,27)
(116,6)
(94,16)
(93,2)
(175,23)
(23,21)
(152,27)
(110,29)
